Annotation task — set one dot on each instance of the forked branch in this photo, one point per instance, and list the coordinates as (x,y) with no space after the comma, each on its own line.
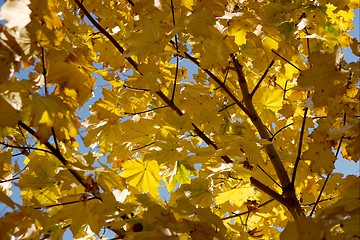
(59,156)
(288,190)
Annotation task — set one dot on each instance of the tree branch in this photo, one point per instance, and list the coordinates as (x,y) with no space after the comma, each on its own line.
(221,84)
(300,147)
(328,176)
(168,101)
(106,34)
(177,53)
(285,60)
(262,78)
(282,200)
(58,155)
(288,189)
(278,131)
(248,211)
(269,176)
(66,203)
(146,111)
(9,180)
(25,147)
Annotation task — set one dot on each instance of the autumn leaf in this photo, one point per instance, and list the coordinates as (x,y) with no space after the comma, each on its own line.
(143,175)
(237,196)
(178,119)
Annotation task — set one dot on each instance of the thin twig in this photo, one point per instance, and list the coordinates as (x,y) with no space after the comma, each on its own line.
(138,148)
(225,77)
(55,139)
(298,156)
(319,196)
(146,111)
(25,147)
(225,107)
(285,60)
(9,180)
(269,176)
(248,211)
(107,34)
(47,91)
(136,89)
(65,203)
(323,200)
(177,53)
(278,131)
(262,78)
(307,41)
(328,176)
(44,70)
(57,154)
(221,84)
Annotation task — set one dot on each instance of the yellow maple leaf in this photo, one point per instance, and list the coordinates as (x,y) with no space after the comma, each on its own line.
(269,98)
(238,196)
(187,3)
(323,77)
(143,175)
(9,115)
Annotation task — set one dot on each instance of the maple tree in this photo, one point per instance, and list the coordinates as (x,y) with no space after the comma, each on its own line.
(238,109)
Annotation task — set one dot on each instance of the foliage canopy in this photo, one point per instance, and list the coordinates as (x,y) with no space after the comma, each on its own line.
(238,109)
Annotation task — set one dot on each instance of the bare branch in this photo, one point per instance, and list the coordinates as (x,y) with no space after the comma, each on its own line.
(285,60)
(66,203)
(300,147)
(328,176)
(278,131)
(225,107)
(262,187)
(288,190)
(262,78)
(146,111)
(177,55)
(44,70)
(107,34)
(57,154)
(9,180)
(138,148)
(136,89)
(269,176)
(318,198)
(248,211)
(25,147)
